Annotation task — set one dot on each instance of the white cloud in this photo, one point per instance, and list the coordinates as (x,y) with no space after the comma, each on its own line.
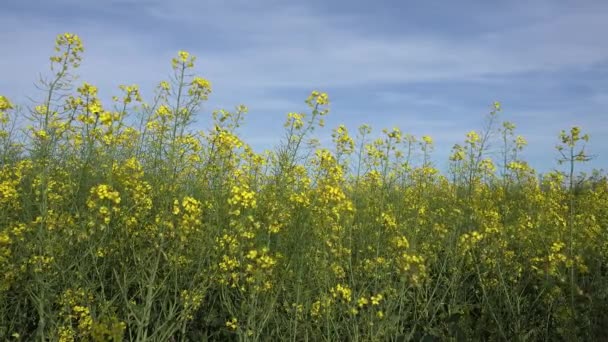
(290,46)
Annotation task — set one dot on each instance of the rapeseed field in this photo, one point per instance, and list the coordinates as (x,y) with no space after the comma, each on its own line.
(120,221)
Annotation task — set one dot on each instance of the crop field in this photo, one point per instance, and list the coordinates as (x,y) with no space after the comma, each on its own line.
(120,221)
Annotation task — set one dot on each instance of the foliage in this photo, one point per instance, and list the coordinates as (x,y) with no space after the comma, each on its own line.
(123,223)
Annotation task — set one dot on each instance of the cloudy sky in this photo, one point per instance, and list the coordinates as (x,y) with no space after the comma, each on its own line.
(429,67)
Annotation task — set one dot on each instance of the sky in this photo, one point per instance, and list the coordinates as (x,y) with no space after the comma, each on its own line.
(428,67)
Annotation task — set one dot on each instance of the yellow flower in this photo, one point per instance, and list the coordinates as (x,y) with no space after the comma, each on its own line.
(87,90)
(104,191)
(183,56)
(377,299)
(401,242)
(191,205)
(232,324)
(40,109)
(342,291)
(295,120)
(200,87)
(106,118)
(94,107)
(5,104)
(362,302)
(184,59)
(41,134)
(164,85)
(252,254)
(72,48)
(472,137)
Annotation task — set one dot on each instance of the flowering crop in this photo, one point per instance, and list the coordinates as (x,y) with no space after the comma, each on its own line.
(125,224)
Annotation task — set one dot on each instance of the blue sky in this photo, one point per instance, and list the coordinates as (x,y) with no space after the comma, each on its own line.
(428,67)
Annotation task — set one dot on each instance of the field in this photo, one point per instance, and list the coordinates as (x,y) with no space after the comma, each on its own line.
(127,224)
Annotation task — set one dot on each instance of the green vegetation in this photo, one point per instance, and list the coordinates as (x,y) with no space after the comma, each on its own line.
(125,224)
